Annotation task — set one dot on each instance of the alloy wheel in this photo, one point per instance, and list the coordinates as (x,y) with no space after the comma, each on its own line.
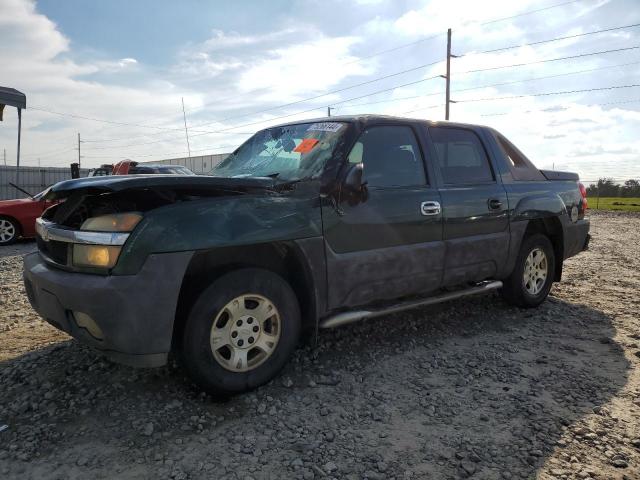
(7,231)
(245,333)
(535,271)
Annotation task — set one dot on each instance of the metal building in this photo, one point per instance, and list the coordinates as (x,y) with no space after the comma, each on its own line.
(201,165)
(32,179)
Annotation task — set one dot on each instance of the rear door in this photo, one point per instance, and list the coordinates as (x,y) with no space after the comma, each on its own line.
(391,244)
(475,208)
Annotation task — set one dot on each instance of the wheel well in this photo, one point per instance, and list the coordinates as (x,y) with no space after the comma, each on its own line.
(552,228)
(285,259)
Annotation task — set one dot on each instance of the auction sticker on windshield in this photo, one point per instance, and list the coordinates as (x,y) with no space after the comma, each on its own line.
(325,127)
(306,145)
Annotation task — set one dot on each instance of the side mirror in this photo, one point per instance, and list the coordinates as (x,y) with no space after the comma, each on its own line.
(353,186)
(353,178)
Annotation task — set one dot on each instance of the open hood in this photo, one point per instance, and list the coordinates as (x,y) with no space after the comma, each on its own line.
(183,183)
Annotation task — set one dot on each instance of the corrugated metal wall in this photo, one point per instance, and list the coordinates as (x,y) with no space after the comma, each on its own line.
(200,165)
(36,179)
(32,179)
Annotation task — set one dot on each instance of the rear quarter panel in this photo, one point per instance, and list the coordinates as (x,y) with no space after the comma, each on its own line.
(538,200)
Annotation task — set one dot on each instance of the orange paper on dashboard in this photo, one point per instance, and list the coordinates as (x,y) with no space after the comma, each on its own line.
(306,145)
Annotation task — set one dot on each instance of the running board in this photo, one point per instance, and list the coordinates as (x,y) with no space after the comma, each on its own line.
(356,315)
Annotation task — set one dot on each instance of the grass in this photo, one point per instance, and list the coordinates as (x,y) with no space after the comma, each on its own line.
(631,204)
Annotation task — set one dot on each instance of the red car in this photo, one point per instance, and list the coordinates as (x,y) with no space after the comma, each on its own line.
(18,217)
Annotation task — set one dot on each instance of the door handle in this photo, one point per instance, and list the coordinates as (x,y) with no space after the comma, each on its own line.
(494,204)
(430,208)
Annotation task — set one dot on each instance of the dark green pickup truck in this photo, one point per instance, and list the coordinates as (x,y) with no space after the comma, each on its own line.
(307,225)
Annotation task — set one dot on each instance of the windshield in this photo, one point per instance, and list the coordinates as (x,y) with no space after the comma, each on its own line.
(39,196)
(289,153)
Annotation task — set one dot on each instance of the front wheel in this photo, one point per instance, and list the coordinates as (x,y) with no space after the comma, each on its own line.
(241,331)
(9,231)
(532,277)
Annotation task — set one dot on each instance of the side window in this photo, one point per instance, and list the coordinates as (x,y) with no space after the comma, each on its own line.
(390,156)
(461,157)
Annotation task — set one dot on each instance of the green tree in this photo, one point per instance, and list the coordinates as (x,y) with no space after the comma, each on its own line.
(631,188)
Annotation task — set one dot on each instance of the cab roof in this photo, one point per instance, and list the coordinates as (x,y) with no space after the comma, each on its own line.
(371,118)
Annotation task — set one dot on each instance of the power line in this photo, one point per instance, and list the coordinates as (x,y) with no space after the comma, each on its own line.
(48,154)
(482,86)
(431,37)
(293,103)
(556,39)
(219,147)
(565,92)
(561,108)
(530,12)
(385,90)
(428,107)
(331,92)
(124,124)
(422,66)
(549,60)
(277,107)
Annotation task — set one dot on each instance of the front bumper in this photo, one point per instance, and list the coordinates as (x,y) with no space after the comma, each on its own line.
(134,313)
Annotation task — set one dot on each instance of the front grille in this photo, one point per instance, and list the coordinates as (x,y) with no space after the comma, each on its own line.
(54,250)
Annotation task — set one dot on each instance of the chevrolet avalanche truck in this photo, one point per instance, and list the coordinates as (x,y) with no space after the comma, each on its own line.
(307,225)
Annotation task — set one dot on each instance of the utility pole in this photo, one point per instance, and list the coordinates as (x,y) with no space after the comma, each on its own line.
(329,111)
(18,152)
(5,156)
(186,133)
(79,150)
(448,77)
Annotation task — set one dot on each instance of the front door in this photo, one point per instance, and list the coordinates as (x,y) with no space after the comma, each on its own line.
(475,209)
(391,244)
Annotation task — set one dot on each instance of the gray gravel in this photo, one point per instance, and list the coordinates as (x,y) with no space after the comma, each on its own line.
(470,389)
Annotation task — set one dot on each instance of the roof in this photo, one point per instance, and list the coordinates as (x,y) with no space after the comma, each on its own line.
(370,118)
(12,97)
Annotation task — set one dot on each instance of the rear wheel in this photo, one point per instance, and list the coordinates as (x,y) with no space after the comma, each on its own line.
(241,331)
(9,231)
(531,279)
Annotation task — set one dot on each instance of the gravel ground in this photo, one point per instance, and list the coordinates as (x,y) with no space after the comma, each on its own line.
(472,388)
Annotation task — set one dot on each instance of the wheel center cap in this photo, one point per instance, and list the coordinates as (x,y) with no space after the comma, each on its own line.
(244,332)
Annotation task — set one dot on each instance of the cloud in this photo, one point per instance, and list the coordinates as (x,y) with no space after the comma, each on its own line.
(250,66)
(303,68)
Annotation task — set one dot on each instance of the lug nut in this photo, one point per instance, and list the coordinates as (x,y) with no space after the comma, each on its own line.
(249,320)
(255,329)
(250,339)
(240,343)
(234,334)
(239,322)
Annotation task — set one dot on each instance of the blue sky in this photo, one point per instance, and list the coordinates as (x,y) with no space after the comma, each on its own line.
(237,63)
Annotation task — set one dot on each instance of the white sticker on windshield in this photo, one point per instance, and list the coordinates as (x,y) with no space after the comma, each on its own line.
(325,127)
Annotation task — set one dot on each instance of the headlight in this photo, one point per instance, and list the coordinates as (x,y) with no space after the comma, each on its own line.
(96,256)
(117,222)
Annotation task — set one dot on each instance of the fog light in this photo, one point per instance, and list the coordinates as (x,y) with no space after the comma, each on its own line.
(85,321)
(100,256)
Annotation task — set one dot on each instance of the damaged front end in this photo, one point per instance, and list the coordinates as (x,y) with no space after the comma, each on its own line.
(88,229)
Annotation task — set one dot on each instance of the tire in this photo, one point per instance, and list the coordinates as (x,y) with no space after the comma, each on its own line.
(223,323)
(525,287)
(9,231)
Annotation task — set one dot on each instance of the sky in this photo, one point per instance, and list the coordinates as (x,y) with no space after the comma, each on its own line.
(117,72)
